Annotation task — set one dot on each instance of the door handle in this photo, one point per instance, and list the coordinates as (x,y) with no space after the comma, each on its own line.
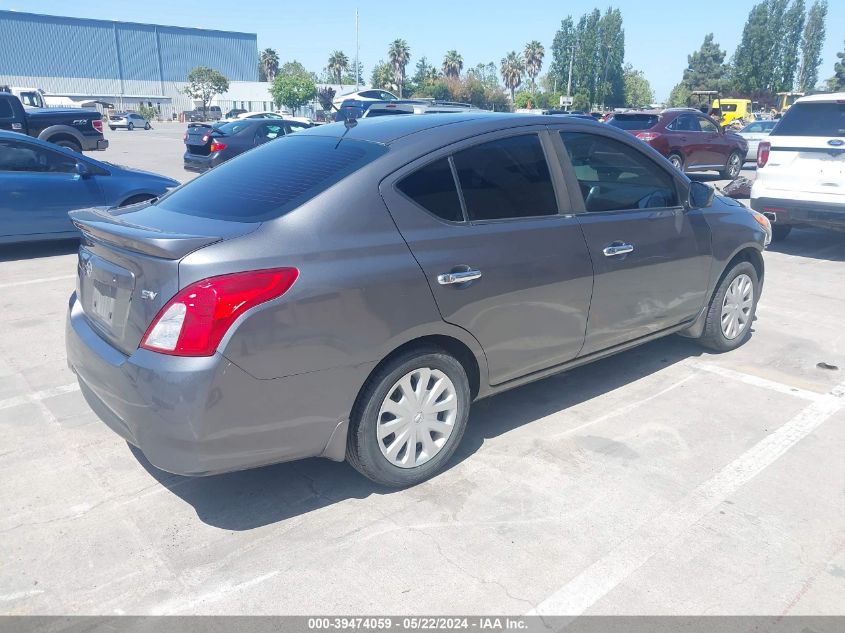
(618,248)
(461,277)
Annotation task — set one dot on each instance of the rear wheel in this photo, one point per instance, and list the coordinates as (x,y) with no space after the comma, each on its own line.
(732,308)
(410,418)
(68,143)
(130,127)
(112,128)
(677,161)
(147,125)
(780,232)
(733,167)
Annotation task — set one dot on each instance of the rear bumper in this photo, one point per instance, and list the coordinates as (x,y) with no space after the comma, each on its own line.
(799,212)
(201,416)
(93,144)
(199,163)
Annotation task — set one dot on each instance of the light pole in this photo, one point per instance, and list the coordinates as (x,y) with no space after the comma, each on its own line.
(357,49)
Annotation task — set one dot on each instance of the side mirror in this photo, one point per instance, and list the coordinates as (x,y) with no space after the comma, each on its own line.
(82,170)
(700,195)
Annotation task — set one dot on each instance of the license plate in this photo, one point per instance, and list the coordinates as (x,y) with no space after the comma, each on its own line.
(102,304)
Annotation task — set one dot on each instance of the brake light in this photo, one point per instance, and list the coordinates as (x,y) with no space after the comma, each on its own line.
(98,125)
(763,151)
(197,318)
(217,147)
(647,136)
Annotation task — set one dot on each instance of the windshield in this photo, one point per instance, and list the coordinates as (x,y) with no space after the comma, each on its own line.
(634,121)
(813,119)
(228,129)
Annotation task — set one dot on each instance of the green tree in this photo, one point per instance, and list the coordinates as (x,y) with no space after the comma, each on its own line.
(679,97)
(292,90)
(294,68)
(382,76)
(533,54)
(706,68)
(204,84)
(512,69)
(453,64)
(338,64)
(793,28)
(812,41)
(837,82)
(563,47)
(399,54)
(349,76)
(487,74)
(268,63)
(581,101)
(425,72)
(638,92)
(610,84)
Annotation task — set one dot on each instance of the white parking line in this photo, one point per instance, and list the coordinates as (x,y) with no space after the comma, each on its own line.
(38,396)
(658,535)
(42,280)
(757,381)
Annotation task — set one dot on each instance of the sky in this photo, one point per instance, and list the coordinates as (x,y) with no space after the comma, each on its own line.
(658,36)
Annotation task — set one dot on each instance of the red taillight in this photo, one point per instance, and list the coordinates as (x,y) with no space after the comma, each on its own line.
(647,136)
(763,151)
(217,147)
(98,125)
(194,321)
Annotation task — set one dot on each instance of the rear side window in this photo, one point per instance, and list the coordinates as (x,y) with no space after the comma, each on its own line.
(812,119)
(634,121)
(271,180)
(506,178)
(5,109)
(614,176)
(433,188)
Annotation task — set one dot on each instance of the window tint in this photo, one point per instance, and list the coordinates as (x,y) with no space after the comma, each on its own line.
(15,156)
(269,131)
(753,128)
(433,188)
(614,176)
(634,121)
(812,119)
(685,123)
(508,178)
(272,179)
(707,125)
(5,109)
(228,129)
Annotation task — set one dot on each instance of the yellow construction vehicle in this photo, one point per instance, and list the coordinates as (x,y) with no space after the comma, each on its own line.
(784,102)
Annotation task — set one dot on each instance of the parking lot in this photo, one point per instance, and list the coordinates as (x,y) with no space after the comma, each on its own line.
(665,480)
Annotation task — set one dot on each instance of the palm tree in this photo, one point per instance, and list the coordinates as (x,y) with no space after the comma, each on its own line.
(534,53)
(453,64)
(338,64)
(512,70)
(399,54)
(269,61)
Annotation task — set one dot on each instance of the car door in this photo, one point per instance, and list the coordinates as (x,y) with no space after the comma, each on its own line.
(716,147)
(685,138)
(38,186)
(651,256)
(482,219)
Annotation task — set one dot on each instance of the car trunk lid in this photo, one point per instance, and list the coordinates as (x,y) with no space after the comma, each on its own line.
(128,264)
(198,139)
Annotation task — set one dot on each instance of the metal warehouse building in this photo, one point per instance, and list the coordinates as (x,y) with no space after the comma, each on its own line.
(122,63)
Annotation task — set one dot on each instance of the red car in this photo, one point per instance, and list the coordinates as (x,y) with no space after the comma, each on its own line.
(689,139)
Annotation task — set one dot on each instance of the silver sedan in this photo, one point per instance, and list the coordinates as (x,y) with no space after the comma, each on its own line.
(754,133)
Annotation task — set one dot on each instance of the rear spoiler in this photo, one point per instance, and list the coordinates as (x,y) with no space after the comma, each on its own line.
(100,224)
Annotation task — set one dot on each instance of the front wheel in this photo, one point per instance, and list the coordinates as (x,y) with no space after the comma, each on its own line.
(130,127)
(677,161)
(410,418)
(732,309)
(147,125)
(733,168)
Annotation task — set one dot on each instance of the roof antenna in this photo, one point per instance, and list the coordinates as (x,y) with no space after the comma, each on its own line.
(348,124)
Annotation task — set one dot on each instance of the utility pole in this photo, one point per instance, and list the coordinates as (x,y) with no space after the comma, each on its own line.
(357,49)
(571,59)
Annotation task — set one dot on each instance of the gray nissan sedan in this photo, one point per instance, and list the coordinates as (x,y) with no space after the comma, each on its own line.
(349,290)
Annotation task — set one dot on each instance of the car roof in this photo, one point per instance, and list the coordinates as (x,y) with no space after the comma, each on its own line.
(390,129)
(831,97)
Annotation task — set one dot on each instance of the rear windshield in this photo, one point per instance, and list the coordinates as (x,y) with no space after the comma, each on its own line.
(812,119)
(634,121)
(228,129)
(269,181)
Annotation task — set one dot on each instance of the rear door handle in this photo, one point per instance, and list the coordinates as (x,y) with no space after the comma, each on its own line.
(462,277)
(617,248)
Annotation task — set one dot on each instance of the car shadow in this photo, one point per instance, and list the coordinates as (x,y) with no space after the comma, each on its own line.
(813,243)
(35,250)
(249,499)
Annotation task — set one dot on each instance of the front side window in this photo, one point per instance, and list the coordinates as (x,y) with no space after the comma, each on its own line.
(507,178)
(5,109)
(685,123)
(613,176)
(269,131)
(16,156)
(707,125)
(433,188)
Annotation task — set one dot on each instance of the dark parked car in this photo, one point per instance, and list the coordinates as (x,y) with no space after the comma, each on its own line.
(211,113)
(207,147)
(40,183)
(348,291)
(689,139)
(234,113)
(79,130)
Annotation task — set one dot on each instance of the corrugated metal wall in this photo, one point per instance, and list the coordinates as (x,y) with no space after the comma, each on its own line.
(97,57)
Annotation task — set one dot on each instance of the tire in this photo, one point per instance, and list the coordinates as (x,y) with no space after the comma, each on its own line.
(147,125)
(130,127)
(733,167)
(136,199)
(677,161)
(369,454)
(780,232)
(112,128)
(715,336)
(76,147)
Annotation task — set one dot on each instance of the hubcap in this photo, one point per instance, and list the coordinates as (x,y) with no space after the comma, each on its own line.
(736,308)
(676,162)
(734,165)
(417,417)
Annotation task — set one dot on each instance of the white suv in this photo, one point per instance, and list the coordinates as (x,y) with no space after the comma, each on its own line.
(801,167)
